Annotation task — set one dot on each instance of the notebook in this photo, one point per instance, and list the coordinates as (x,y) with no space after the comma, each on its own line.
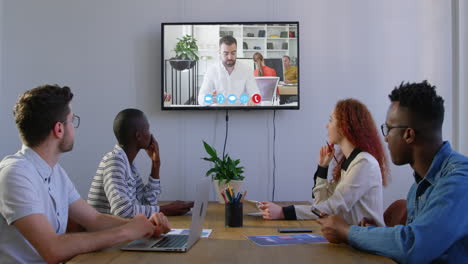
(179,243)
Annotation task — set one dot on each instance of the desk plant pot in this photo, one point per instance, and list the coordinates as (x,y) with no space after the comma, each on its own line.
(218,186)
(225,172)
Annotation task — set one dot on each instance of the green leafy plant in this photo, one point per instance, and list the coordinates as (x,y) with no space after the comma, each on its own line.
(186,48)
(225,169)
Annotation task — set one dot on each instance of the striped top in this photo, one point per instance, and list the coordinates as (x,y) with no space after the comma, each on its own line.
(118,189)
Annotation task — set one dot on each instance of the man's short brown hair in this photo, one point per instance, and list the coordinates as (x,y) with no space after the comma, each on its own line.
(38,110)
(228,40)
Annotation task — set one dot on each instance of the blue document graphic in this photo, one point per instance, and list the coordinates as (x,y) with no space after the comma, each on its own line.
(287,239)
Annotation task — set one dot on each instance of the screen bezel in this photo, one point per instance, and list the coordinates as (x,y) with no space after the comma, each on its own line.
(204,108)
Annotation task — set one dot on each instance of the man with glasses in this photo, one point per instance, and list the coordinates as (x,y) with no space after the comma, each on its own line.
(437,224)
(37,197)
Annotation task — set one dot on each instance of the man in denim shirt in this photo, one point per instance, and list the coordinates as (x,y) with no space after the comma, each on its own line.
(437,223)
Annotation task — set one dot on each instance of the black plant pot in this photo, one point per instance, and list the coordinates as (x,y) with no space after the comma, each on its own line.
(180,64)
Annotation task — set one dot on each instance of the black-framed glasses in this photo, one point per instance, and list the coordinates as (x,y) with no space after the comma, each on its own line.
(386,128)
(75,121)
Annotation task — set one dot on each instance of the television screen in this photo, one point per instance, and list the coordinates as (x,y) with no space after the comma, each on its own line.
(242,65)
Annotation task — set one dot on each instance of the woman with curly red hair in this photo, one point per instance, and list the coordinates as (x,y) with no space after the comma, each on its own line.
(360,172)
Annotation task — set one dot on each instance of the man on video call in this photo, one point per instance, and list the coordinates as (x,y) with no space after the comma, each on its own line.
(227,78)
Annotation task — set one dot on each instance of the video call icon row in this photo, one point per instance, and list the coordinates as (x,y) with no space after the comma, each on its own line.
(232,98)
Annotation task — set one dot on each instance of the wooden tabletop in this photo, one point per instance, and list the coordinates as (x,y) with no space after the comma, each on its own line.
(287,89)
(230,245)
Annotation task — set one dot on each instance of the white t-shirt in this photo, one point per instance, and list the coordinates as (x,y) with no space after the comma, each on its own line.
(28,185)
(240,81)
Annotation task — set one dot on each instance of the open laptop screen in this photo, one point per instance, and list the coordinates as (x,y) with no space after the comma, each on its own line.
(267,87)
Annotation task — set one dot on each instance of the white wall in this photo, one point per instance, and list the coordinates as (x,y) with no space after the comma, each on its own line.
(3,117)
(461,74)
(464,73)
(109,53)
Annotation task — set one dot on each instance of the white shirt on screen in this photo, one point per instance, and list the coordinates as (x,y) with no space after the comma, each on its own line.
(240,81)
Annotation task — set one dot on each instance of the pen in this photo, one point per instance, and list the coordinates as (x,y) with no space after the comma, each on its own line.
(238,197)
(224,197)
(228,195)
(333,154)
(243,196)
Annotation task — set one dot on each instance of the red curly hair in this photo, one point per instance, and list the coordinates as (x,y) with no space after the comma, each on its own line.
(355,122)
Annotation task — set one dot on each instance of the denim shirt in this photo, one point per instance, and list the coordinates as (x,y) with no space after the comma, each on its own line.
(437,225)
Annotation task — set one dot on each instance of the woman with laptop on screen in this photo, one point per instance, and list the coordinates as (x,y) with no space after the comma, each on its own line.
(360,172)
(268,86)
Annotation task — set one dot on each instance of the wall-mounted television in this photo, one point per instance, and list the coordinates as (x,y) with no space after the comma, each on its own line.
(230,65)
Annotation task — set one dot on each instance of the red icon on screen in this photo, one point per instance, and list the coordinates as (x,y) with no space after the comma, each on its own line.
(256,98)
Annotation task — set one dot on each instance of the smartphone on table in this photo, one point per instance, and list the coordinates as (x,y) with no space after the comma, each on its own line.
(295,230)
(317,212)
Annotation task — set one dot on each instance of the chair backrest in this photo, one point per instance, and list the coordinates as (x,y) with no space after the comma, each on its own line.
(396,214)
(277,64)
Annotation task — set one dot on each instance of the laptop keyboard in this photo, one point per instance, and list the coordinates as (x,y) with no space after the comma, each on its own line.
(172,241)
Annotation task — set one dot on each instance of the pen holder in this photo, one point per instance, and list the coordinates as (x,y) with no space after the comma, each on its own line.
(234,215)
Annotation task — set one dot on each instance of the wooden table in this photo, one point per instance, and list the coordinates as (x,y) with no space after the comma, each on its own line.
(287,89)
(288,94)
(230,245)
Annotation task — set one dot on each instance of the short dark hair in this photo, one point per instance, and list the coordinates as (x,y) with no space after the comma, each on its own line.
(228,40)
(422,101)
(126,124)
(38,110)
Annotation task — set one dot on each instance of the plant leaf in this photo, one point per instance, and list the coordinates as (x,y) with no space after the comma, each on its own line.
(225,169)
(213,170)
(210,150)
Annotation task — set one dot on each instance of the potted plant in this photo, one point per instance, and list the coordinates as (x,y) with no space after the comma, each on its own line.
(225,171)
(186,53)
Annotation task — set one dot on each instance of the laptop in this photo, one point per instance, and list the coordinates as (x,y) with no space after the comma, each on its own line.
(179,243)
(267,86)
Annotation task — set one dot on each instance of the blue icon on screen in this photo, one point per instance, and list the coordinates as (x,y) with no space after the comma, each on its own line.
(220,98)
(232,98)
(244,98)
(208,98)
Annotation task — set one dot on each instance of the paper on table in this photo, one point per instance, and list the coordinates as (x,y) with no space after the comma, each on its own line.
(259,213)
(176,231)
(255,213)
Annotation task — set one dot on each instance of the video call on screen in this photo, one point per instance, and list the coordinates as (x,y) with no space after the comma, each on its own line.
(204,81)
